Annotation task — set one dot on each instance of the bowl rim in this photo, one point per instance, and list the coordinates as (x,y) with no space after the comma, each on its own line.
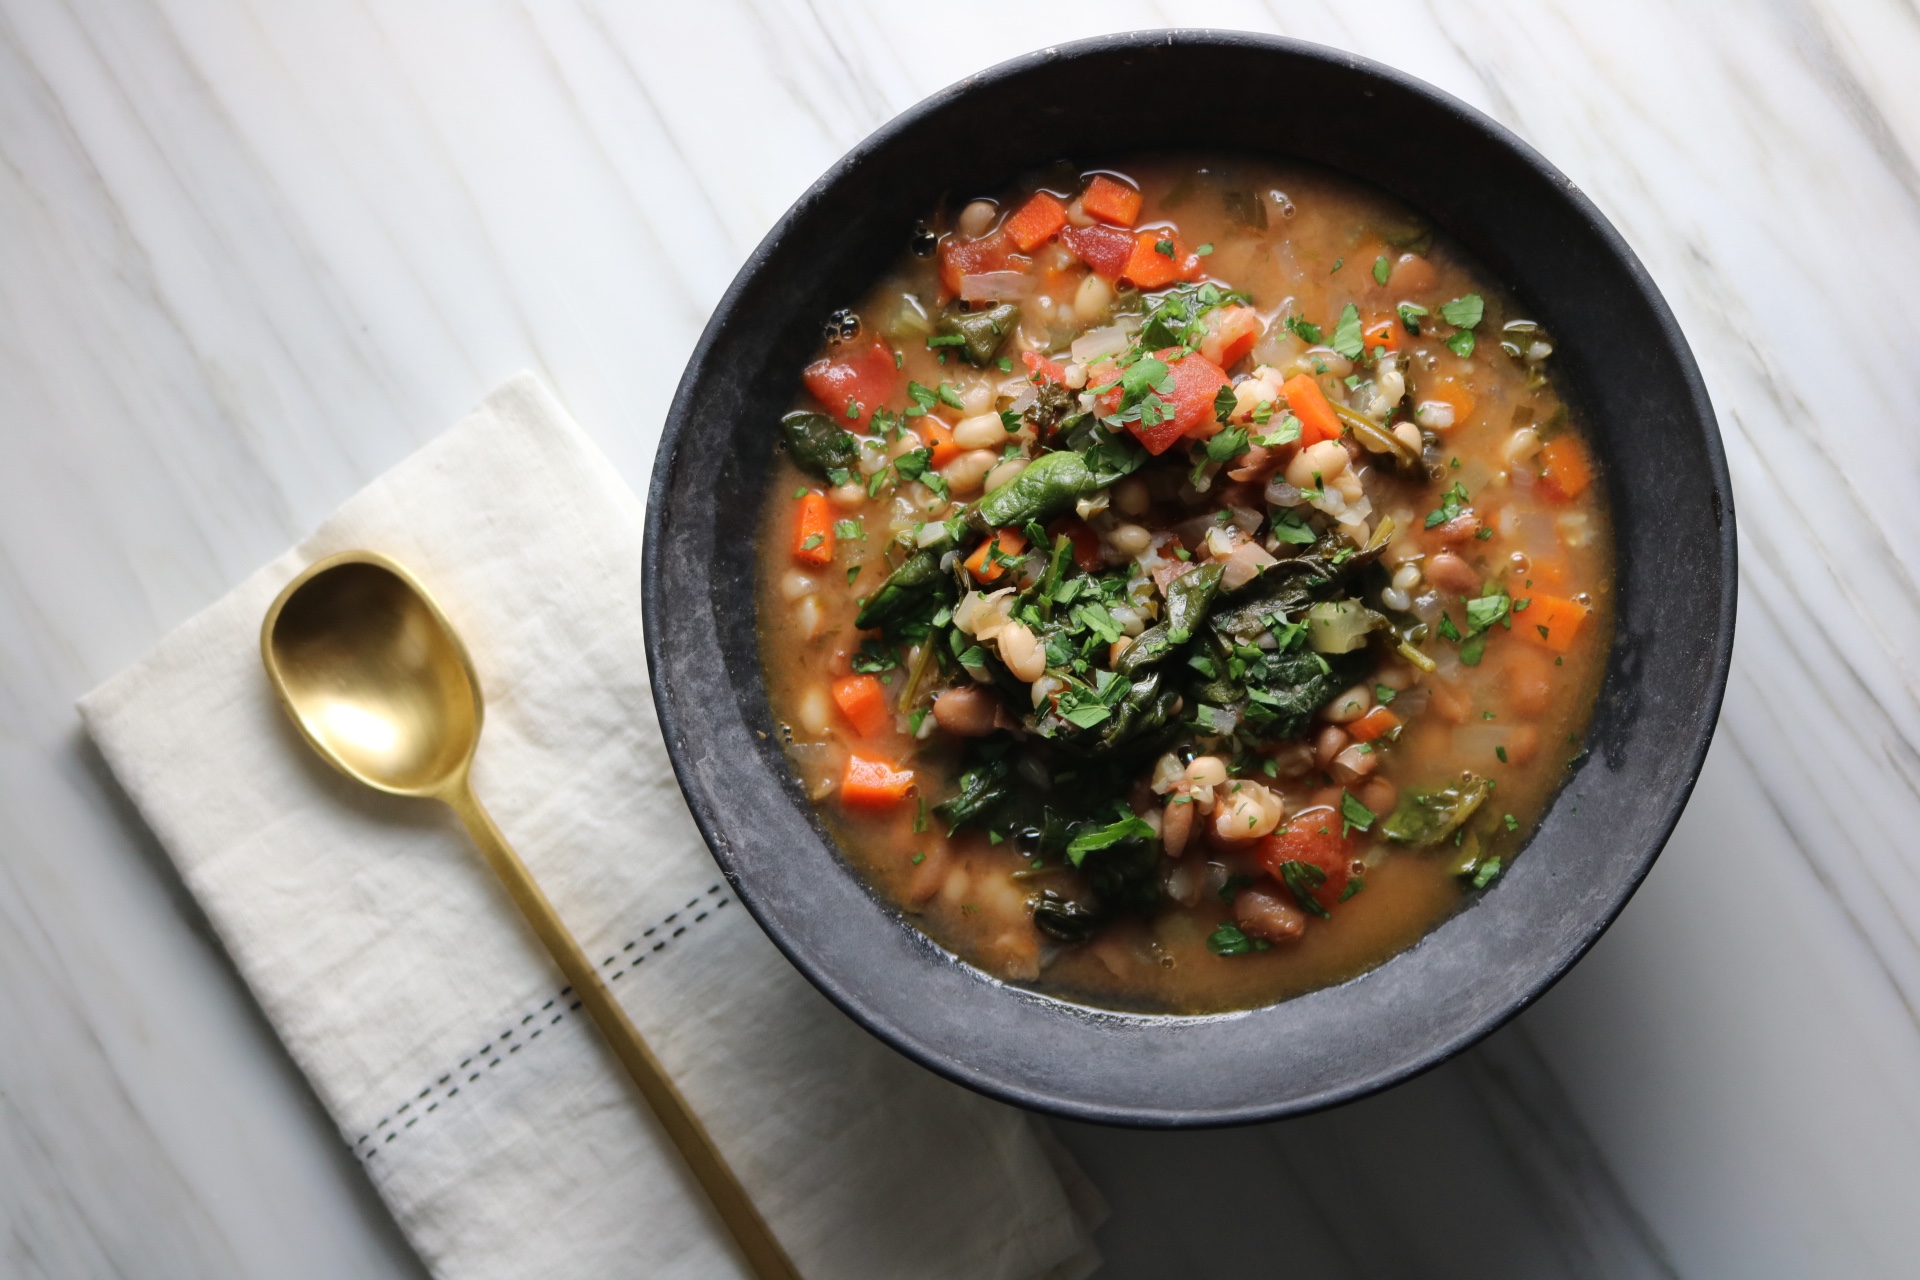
(675,730)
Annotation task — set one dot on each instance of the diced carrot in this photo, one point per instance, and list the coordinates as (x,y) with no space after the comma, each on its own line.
(1567,471)
(1231,333)
(960,258)
(1086,543)
(1111,201)
(1196,381)
(1455,395)
(1377,723)
(1041,369)
(873,784)
(1552,621)
(866,380)
(938,436)
(1548,575)
(1151,269)
(1105,249)
(1011,544)
(863,701)
(1384,333)
(1308,403)
(813,531)
(1036,221)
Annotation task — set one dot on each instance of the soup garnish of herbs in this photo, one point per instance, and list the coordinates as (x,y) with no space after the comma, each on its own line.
(1182,589)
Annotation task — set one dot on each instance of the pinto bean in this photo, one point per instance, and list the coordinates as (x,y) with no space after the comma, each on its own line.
(966,712)
(1331,741)
(1449,572)
(1263,914)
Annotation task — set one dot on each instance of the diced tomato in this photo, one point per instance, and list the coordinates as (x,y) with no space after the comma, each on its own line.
(863,701)
(938,436)
(1377,723)
(1041,369)
(1149,268)
(1308,403)
(1105,249)
(1231,333)
(960,257)
(1567,471)
(873,784)
(1196,381)
(867,380)
(1311,836)
(1111,201)
(813,531)
(1036,221)
(1011,543)
(1086,543)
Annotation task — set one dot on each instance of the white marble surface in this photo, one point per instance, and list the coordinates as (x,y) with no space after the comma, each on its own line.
(253,252)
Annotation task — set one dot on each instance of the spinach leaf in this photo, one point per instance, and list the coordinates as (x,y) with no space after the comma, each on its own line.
(1430,816)
(905,587)
(980,333)
(818,444)
(1048,487)
(982,789)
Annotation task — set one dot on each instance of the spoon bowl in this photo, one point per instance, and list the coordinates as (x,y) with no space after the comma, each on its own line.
(381,686)
(375,676)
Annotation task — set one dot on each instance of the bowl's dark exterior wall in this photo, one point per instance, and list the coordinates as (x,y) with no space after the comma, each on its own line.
(1620,358)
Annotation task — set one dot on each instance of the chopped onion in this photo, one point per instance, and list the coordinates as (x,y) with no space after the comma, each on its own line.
(1244,565)
(1281,494)
(1338,626)
(1095,343)
(995,286)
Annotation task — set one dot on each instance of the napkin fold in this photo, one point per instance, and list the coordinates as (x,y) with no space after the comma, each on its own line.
(475,1092)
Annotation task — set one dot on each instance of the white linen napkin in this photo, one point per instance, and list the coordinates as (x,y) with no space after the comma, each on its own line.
(500,1130)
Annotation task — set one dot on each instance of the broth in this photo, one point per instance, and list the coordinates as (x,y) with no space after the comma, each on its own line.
(1260,396)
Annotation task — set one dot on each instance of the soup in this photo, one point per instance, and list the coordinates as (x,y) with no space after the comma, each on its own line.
(1182,588)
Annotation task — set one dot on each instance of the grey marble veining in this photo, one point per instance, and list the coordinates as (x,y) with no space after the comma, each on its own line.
(251,254)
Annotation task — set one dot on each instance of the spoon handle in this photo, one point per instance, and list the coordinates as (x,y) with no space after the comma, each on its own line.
(750,1231)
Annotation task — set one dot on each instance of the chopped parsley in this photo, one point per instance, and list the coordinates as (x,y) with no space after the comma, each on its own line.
(1486,873)
(1347,339)
(1451,503)
(1410,313)
(1229,940)
(1163,247)
(1227,445)
(1302,878)
(1354,815)
(1464,313)
(1304,329)
(1382,268)
(1382,694)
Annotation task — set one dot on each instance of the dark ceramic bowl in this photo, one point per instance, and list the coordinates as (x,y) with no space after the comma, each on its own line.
(1621,360)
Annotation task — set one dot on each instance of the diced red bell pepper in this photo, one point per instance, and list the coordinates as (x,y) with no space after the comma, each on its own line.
(868,380)
(1105,249)
(1196,381)
(1311,836)
(960,257)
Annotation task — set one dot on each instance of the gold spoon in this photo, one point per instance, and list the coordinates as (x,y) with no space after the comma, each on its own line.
(380,685)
